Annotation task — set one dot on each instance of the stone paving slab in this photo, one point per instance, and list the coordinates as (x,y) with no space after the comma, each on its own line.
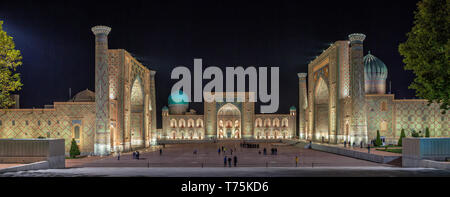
(235,172)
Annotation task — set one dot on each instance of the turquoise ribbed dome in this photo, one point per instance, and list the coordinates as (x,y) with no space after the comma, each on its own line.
(374,68)
(293,108)
(178,98)
(165,108)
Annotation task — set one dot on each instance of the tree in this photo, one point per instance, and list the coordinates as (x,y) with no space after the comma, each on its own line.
(426,52)
(10,59)
(427,132)
(402,135)
(378,140)
(74,150)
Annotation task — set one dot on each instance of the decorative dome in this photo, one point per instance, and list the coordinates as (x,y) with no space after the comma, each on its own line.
(374,67)
(165,108)
(293,108)
(84,96)
(375,74)
(178,98)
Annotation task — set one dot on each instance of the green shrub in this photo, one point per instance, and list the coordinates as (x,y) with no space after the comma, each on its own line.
(74,150)
(402,135)
(414,133)
(378,140)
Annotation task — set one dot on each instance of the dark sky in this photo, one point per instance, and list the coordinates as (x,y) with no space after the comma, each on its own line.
(58,46)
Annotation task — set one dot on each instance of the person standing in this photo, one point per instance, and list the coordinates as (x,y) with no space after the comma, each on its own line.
(368,148)
(235,161)
(218,151)
(134,155)
(225,161)
(160,152)
(361,144)
(345,144)
(229,162)
(118,156)
(296,161)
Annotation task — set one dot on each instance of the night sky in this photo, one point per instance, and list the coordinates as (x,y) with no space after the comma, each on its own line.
(58,46)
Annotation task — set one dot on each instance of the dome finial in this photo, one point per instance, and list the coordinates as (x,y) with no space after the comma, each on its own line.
(369,51)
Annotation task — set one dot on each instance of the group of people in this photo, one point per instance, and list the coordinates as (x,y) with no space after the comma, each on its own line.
(229,159)
(247,145)
(136,155)
(350,145)
(224,150)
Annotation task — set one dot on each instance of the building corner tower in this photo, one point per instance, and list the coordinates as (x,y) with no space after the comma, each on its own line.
(102,126)
(358,116)
(302,105)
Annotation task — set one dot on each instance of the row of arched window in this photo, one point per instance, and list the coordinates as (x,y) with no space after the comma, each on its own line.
(181,123)
(271,123)
(13,122)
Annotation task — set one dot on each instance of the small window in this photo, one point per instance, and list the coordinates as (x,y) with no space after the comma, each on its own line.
(383,106)
(13,122)
(39,122)
(48,134)
(1,123)
(442,119)
(26,122)
(57,122)
(424,118)
(76,131)
(409,118)
(49,123)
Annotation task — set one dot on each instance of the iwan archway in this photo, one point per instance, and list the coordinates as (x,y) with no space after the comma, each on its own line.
(229,122)
(321,108)
(137,113)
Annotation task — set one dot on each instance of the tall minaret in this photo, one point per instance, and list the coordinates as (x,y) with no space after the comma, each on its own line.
(102,126)
(358,118)
(302,104)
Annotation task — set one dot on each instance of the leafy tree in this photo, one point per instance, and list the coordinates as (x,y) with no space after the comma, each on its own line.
(426,52)
(74,150)
(427,132)
(10,59)
(378,140)
(402,135)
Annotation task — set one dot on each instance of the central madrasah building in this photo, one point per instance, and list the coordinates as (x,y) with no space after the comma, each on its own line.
(341,98)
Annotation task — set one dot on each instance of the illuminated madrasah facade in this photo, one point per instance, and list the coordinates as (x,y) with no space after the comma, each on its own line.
(223,120)
(343,98)
(119,116)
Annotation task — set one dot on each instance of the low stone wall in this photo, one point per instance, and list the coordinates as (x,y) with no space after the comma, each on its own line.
(353,153)
(33,151)
(426,152)
(241,140)
(32,166)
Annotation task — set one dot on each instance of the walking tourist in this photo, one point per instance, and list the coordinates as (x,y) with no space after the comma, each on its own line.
(235,161)
(229,162)
(118,155)
(345,144)
(160,152)
(368,148)
(218,151)
(225,161)
(296,161)
(134,155)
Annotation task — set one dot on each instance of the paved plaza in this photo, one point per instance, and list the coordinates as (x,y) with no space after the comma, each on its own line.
(179,160)
(182,155)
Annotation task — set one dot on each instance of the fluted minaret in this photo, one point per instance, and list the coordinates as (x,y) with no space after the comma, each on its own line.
(358,119)
(153,106)
(302,105)
(102,125)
